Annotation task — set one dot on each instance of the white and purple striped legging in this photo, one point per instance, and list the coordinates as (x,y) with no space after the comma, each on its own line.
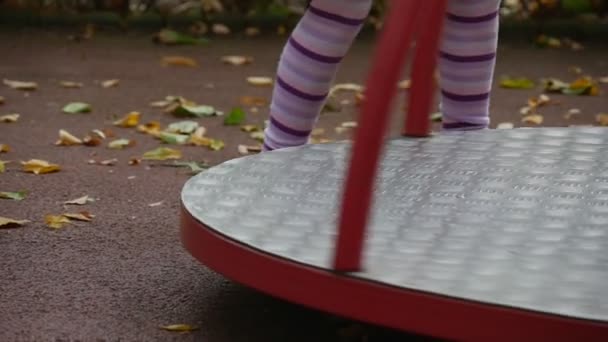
(323,36)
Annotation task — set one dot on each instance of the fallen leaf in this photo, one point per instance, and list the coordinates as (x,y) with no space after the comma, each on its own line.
(198,137)
(554,85)
(317,132)
(110,83)
(253,101)
(349,124)
(235,117)
(81,216)
(359,98)
(331,106)
(505,125)
(179,328)
(80,200)
(216,145)
(341,130)
(4,148)
(77,107)
(179,61)
(67,139)
(320,140)
(119,144)
(152,128)
(196,111)
(403,85)
(345,87)
(259,81)
(195,168)
(247,149)
(547,41)
(250,128)
(129,120)
(436,117)
(573,45)
(571,113)
(170,37)
(220,29)
(9,118)
(1,100)
(109,162)
(575,69)
(583,86)
(70,84)
(602,119)
(252,31)
(183,127)
(20,85)
(155,204)
(6,222)
(134,161)
(603,79)
(237,60)
(173,138)
(2,165)
(516,83)
(91,140)
(259,136)
(56,221)
(38,166)
(16,195)
(162,153)
(281,30)
(535,119)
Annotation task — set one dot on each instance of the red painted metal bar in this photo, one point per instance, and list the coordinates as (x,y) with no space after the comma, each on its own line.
(389,58)
(417,123)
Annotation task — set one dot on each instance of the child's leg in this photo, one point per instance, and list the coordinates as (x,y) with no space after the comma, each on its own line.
(307,68)
(468,56)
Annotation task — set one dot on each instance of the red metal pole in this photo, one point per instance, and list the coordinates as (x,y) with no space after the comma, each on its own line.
(381,88)
(417,123)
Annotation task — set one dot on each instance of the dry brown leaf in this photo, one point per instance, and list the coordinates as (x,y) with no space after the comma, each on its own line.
(251,101)
(179,328)
(67,139)
(38,166)
(602,119)
(246,149)
(129,120)
(220,29)
(260,81)
(359,98)
(6,223)
(179,61)
(81,216)
(80,200)
(152,128)
(70,84)
(20,85)
(534,119)
(56,221)
(4,148)
(237,60)
(110,83)
(1,100)
(252,31)
(134,161)
(9,118)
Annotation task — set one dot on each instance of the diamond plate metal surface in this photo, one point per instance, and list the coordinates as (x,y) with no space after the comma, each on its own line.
(509,217)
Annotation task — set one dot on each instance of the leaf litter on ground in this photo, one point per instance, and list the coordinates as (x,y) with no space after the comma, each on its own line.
(9,118)
(171,37)
(70,84)
(517,83)
(21,85)
(6,223)
(80,200)
(38,166)
(59,221)
(162,153)
(131,119)
(237,60)
(120,144)
(76,108)
(235,117)
(67,139)
(13,195)
(110,83)
(180,61)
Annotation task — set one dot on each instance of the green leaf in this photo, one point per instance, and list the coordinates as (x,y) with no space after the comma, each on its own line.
(236,117)
(162,153)
(216,145)
(195,167)
(196,111)
(517,83)
(184,127)
(77,107)
(17,196)
(173,138)
(2,166)
(119,144)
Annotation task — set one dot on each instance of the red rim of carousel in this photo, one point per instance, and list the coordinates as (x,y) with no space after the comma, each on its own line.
(368,301)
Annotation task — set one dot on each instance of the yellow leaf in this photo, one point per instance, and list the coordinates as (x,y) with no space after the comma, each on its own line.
(152,128)
(179,327)
(2,165)
(237,60)
(70,84)
(252,101)
(535,119)
(80,200)
(9,118)
(81,216)
(6,222)
(110,83)
(259,81)
(179,61)
(20,85)
(602,119)
(67,139)
(38,166)
(162,153)
(216,145)
(198,137)
(56,221)
(317,131)
(129,120)
(4,148)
